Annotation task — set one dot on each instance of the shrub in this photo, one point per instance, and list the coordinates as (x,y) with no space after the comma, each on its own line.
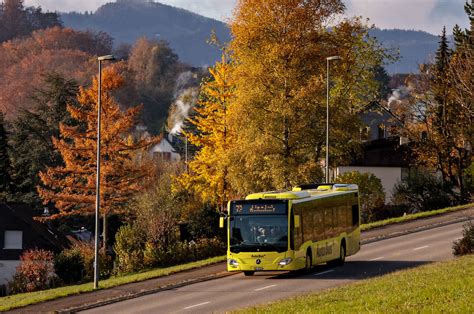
(388,211)
(204,223)
(129,248)
(422,191)
(465,245)
(372,196)
(87,252)
(158,212)
(69,266)
(35,272)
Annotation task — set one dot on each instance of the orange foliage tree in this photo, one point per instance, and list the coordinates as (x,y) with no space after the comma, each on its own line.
(124,166)
(23,63)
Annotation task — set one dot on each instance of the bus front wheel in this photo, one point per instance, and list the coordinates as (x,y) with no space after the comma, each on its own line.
(249,273)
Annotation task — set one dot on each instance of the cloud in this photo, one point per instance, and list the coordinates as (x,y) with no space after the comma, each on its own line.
(427,15)
(67,5)
(216,9)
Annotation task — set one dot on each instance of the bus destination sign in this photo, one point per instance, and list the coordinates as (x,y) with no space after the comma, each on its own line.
(258,208)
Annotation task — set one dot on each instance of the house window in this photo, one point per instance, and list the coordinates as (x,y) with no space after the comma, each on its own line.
(13,240)
(365,134)
(381,131)
(166,156)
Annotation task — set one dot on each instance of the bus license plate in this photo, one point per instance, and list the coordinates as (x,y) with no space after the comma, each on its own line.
(258,268)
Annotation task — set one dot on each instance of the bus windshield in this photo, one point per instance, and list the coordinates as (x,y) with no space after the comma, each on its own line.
(258,233)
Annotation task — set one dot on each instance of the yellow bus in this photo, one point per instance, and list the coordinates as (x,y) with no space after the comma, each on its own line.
(292,230)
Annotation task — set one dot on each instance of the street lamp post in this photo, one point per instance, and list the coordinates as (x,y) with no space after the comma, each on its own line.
(328,59)
(97,184)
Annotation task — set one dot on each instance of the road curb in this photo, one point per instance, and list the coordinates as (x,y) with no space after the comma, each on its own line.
(143,293)
(414,230)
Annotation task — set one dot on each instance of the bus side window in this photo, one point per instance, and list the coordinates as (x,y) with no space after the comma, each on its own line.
(355,215)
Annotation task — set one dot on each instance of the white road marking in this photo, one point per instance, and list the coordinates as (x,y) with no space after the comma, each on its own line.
(376,259)
(265,287)
(195,305)
(324,272)
(420,248)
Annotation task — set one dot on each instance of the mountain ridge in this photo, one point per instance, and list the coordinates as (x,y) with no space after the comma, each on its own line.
(187,32)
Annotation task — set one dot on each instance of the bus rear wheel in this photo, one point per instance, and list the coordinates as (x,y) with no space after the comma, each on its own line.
(342,255)
(308,261)
(249,273)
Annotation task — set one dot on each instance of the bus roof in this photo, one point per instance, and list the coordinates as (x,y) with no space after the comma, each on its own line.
(301,192)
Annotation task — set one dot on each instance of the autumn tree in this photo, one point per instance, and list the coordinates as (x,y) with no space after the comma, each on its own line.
(441,115)
(71,187)
(280,49)
(155,67)
(208,171)
(33,130)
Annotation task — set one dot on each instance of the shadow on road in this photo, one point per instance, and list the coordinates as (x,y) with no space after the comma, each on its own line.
(351,270)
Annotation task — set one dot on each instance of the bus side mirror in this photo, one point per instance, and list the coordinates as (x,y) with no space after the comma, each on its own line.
(221,222)
(297,221)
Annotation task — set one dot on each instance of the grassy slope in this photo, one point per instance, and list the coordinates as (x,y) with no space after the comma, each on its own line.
(434,288)
(420,215)
(23,299)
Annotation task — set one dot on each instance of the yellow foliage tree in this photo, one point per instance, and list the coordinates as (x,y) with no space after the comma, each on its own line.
(279,48)
(208,171)
(71,187)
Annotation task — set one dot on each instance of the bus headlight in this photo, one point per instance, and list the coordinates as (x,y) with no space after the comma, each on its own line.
(285,261)
(233,262)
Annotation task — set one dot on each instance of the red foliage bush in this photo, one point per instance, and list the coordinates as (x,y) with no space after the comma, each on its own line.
(35,272)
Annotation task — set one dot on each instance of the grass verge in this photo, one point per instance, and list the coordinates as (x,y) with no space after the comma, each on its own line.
(406,218)
(434,288)
(23,299)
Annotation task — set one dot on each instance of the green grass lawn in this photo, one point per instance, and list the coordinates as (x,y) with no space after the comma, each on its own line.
(434,288)
(426,214)
(23,299)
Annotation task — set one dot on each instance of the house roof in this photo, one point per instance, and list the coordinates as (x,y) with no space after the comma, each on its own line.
(377,105)
(17,216)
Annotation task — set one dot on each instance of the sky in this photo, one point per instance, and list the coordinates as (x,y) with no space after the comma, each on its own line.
(427,15)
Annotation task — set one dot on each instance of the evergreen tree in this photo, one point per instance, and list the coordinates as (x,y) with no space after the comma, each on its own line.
(5,168)
(465,37)
(18,21)
(383,80)
(34,129)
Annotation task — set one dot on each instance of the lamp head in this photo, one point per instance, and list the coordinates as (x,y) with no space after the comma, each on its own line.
(106,57)
(333,58)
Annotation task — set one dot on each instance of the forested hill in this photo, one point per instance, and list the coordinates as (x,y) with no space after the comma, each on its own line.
(126,21)
(187,32)
(415,47)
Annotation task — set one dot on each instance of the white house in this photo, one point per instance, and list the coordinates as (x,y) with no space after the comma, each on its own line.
(164,150)
(385,154)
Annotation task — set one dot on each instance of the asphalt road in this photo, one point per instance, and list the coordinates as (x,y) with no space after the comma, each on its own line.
(238,291)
